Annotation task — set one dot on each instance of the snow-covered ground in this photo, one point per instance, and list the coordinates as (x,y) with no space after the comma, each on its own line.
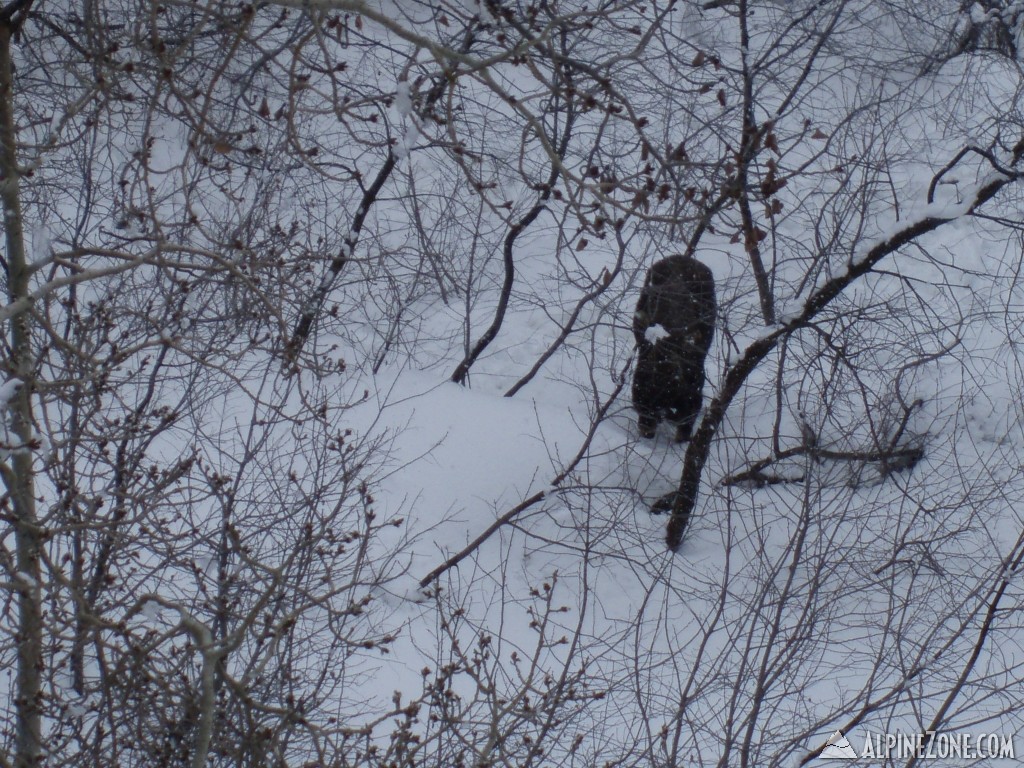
(474,569)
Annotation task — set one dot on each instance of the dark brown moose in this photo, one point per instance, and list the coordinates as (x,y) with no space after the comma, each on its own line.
(673,324)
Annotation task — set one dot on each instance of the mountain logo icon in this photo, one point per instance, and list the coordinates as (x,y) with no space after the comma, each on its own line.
(837,746)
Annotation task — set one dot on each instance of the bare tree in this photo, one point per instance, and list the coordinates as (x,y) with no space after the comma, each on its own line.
(227,226)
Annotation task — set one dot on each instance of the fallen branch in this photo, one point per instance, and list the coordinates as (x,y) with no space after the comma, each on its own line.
(891,460)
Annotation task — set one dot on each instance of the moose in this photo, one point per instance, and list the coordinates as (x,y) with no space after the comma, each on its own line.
(673,324)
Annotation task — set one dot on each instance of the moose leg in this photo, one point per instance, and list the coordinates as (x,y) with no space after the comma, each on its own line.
(683,430)
(684,414)
(648,424)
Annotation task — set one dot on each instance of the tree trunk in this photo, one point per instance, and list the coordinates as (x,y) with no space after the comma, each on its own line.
(18,472)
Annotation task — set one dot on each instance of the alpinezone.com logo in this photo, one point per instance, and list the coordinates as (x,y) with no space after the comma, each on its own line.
(922,746)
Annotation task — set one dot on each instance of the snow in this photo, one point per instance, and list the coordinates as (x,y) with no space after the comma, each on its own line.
(979,15)
(8,390)
(153,611)
(656,333)
(467,457)
(41,243)
(840,588)
(403,100)
(457,447)
(403,108)
(408,140)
